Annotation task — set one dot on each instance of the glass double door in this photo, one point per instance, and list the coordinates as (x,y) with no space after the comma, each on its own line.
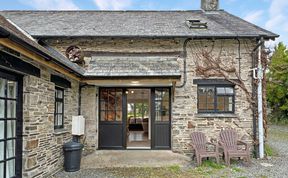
(10,126)
(116,119)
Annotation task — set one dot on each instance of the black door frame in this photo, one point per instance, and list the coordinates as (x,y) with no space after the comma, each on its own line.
(124,116)
(153,121)
(19,121)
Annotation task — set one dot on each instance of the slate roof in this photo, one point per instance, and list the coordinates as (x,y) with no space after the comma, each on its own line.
(133,67)
(28,40)
(133,24)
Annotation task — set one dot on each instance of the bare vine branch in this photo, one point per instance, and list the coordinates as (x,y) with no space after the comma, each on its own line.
(210,65)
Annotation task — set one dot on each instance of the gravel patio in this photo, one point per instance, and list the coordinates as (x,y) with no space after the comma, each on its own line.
(274,166)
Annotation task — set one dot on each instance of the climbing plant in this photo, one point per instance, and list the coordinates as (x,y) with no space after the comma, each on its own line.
(211,64)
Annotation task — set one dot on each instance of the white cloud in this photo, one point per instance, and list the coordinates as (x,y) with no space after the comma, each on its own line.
(113,4)
(277,21)
(254,16)
(51,4)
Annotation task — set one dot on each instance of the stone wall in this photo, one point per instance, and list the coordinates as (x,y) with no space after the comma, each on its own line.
(185,118)
(42,145)
(89,111)
(184,111)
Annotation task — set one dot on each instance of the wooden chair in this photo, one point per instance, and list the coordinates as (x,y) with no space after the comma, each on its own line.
(230,144)
(200,143)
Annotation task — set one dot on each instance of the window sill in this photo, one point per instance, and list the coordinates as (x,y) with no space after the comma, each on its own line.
(60,131)
(217,115)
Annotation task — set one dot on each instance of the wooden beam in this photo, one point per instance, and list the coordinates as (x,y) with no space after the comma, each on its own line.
(8,43)
(133,54)
(131,82)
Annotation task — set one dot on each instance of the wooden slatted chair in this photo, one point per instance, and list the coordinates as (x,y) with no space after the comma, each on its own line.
(200,145)
(230,144)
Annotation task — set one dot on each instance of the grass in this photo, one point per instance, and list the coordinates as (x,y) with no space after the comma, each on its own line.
(269,151)
(174,168)
(278,134)
(236,169)
(207,169)
(211,164)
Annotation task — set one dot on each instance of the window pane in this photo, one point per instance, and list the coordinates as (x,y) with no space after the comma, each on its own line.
(2,87)
(59,107)
(12,89)
(103,116)
(220,90)
(229,90)
(230,100)
(11,109)
(118,115)
(202,106)
(103,105)
(210,99)
(10,148)
(11,128)
(221,106)
(157,115)
(220,103)
(201,91)
(10,168)
(165,95)
(210,91)
(165,115)
(162,94)
(59,93)
(1,151)
(1,129)
(2,108)
(230,107)
(210,106)
(59,119)
(221,99)
(1,169)
(119,100)
(110,116)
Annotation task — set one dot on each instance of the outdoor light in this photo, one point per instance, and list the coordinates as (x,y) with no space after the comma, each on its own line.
(135,82)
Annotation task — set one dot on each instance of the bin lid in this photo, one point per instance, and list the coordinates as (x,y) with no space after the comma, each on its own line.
(73,145)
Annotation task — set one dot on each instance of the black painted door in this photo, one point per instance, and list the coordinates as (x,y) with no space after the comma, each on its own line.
(112,118)
(161,118)
(10,125)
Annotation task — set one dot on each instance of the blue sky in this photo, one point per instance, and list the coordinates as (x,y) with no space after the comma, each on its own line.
(269,14)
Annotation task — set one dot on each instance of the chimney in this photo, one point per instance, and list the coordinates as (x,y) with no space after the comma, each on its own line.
(209,5)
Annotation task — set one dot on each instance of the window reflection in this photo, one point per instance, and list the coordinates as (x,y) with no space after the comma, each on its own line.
(2,87)
(11,89)
(111,104)
(162,105)
(11,109)
(2,108)
(215,99)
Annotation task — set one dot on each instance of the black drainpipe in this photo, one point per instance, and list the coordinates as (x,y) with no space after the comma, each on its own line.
(79,97)
(184,62)
(76,138)
(259,43)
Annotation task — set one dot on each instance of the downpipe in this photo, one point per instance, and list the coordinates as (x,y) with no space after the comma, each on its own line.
(259,77)
(184,63)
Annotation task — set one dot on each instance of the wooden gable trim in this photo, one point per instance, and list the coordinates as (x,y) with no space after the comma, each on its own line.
(6,42)
(60,81)
(13,63)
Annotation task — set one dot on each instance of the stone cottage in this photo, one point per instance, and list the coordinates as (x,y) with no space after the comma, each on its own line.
(141,79)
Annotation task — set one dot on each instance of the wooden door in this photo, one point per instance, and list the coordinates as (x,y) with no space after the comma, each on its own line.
(161,118)
(112,118)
